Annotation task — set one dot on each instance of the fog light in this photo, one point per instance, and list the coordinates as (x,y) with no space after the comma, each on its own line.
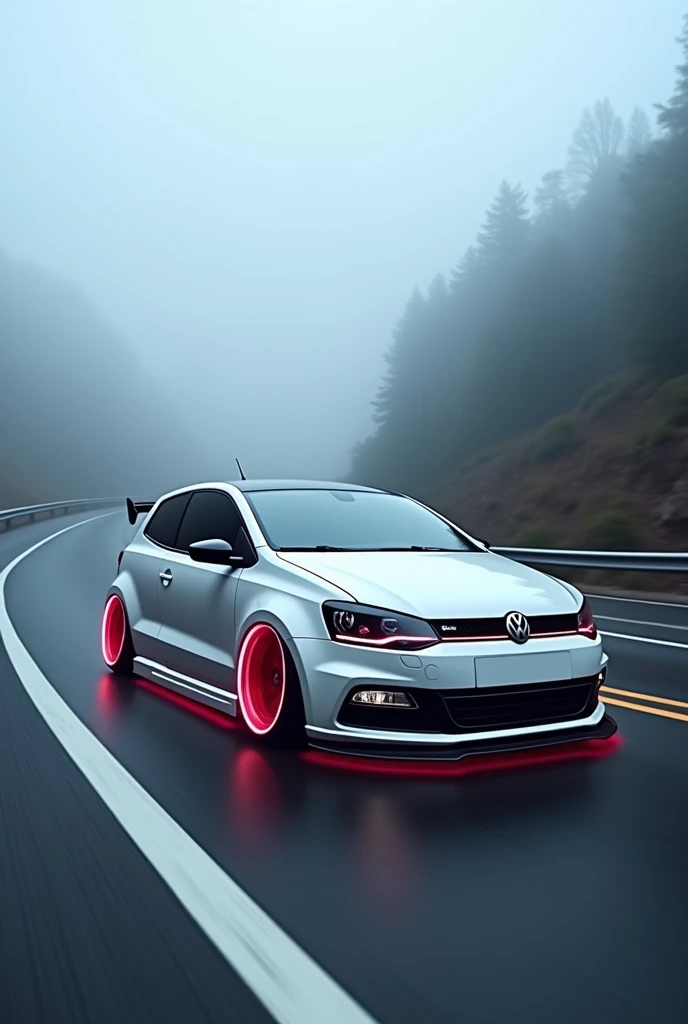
(601,677)
(384,698)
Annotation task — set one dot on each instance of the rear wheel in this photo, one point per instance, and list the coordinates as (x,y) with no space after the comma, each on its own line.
(116,644)
(268,687)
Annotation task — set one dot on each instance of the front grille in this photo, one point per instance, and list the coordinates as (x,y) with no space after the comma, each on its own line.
(540,625)
(495,629)
(511,707)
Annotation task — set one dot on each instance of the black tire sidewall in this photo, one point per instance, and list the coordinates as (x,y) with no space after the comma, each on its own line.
(289,730)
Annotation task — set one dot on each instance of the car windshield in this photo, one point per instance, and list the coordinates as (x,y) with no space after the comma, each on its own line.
(341,520)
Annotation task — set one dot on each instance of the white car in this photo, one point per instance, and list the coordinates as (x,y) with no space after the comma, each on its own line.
(353,619)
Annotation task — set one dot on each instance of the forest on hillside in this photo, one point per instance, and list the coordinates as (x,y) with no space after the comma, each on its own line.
(590,280)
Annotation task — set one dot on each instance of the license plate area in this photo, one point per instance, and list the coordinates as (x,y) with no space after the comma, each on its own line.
(516,669)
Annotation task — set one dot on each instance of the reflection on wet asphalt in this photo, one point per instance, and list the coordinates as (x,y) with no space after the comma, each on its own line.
(541,887)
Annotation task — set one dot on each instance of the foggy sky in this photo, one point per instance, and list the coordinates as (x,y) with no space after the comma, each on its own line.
(250,191)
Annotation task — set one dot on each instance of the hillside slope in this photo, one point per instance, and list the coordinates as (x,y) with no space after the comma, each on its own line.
(613,474)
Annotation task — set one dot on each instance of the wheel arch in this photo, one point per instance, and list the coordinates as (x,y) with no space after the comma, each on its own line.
(125,588)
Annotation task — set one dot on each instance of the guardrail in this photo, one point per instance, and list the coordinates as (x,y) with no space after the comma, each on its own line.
(29,513)
(643,560)
(647,560)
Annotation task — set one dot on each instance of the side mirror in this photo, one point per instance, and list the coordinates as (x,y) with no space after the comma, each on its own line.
(214,552)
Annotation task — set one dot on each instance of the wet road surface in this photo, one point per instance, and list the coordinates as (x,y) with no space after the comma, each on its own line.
(536,889)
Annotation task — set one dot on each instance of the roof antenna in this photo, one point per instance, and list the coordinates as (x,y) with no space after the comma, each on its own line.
(240,469)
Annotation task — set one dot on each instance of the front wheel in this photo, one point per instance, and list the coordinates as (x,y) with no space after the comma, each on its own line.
(268,687)
(116,643)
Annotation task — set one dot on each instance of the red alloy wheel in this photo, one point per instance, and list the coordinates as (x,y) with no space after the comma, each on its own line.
(261,674)
(114,630)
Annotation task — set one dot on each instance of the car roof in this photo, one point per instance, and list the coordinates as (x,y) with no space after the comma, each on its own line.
(297,485)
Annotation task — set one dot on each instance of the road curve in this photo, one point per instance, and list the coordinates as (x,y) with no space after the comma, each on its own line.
(537,892)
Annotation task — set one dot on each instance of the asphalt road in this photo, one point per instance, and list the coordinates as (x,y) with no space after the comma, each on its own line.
(548,890)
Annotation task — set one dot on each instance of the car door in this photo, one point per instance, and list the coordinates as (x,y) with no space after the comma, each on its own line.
(142,561)
(196,599)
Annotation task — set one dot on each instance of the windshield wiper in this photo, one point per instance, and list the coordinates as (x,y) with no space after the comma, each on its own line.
(317,547)
(331,547)
(416,547)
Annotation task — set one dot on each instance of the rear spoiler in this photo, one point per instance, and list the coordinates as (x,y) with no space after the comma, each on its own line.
(135,508)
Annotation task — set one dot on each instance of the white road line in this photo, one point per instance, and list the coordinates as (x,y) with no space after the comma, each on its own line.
(645,639)
(640,622)
(289,983)
(638,600)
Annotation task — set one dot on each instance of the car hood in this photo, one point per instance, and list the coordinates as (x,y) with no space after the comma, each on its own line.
(438,584)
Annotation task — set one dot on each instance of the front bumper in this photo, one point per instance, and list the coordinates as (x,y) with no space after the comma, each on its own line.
(331,671)
(440,750)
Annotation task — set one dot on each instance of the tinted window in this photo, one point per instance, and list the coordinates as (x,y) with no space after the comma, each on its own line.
(210,516)
(354,520)
(165,522)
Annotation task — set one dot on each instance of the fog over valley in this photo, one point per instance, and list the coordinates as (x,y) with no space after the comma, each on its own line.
(212,216)
(419,270)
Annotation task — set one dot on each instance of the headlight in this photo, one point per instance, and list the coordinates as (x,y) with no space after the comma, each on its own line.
(586,623)
(375,627)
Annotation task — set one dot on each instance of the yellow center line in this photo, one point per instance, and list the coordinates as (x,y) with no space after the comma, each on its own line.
(648,711)
(646,696)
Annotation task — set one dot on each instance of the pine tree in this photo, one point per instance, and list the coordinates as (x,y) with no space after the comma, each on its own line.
(535,358)
(407,340)
(655,258)
(552,207)
(381,459)
(530,317)
(638,132)
(504,234)
(551,194)
(464,271)
(437,293)
(673,117)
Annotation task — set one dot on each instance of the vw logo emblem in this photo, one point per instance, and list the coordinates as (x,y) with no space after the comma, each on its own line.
(517,627)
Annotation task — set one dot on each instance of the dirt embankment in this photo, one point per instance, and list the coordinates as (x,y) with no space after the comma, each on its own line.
(611,475)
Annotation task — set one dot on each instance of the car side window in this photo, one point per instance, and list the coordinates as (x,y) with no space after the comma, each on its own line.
(210,515)
(165,521)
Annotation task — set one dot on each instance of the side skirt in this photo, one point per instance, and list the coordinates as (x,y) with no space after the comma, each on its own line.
(213,696)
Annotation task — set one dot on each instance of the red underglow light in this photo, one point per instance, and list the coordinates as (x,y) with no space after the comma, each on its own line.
(200,710)
(108,701)
(384,859)
(473,764)
(257,798)
(107,693)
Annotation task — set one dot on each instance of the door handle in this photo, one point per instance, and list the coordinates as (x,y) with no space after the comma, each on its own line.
(166,577)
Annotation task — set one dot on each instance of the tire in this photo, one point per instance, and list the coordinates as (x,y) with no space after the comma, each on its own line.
(268,688)
(115,637)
